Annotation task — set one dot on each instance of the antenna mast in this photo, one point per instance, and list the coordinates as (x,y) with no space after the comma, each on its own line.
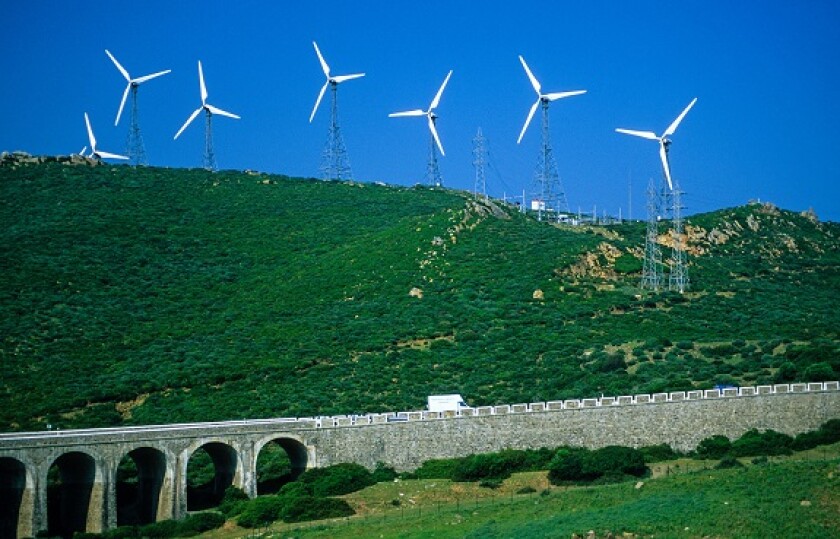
(652,269)
(479,162)
(335,163)
(134,143)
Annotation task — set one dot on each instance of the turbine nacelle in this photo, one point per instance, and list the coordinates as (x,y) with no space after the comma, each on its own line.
(664,141)
(331,81)
(428,113)
(542,98)
(205,106)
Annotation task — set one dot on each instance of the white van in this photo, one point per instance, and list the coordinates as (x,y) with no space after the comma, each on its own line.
(445,403)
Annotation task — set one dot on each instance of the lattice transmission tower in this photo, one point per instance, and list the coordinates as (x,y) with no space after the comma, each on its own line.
(335,162)
(480,163)
(652,269)
(678,276)
(134,143)
(547,179)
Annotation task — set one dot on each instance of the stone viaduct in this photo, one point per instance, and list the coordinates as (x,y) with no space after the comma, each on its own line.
(82,464)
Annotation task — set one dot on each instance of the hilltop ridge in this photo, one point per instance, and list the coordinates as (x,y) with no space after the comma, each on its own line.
(157,295)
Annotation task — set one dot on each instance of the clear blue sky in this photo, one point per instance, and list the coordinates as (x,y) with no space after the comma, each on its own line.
(766,74)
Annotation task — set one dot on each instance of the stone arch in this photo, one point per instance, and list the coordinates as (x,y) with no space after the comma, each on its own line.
(144,487)
(75,495)
(226,472)
(18,495)
(298,461)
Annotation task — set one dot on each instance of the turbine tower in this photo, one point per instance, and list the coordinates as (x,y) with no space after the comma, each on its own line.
(97,154)
(480,162)
(135,148)
(552,196)
(209,111)
(432,171)
(678,276)
(335,164)
(652,269)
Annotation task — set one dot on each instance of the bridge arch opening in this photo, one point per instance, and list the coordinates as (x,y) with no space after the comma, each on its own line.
(140,478)
(16,495)
(71,487)
(210,470)
(279,461)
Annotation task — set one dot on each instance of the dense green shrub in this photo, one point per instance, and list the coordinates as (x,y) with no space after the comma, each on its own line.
(754,443)
(828,433)
(658,453)
(311,508)
(819,372)
(197,523)
(232,501)
(713,447)
(337,480)
(581,465)
(261,511)
(434,469)
(383,473)
(728,462)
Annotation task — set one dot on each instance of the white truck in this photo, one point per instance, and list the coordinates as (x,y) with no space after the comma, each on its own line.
(446,403)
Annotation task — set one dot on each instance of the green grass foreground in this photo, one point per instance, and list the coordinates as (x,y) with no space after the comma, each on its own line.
(789,497)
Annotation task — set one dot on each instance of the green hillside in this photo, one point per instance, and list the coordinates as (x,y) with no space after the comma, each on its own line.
(163,295)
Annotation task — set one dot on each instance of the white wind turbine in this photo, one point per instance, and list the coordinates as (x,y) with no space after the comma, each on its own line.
(209,111)
(678,276)
(664,141)
(551,192)
(336,164)
(136,148)
(433,172)
(93,151)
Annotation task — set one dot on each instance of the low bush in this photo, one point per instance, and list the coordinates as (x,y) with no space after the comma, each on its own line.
(434,469)
(713,447)
(658,453)
(232,501)
(728,462)
(197,523)
(311,508)
(754,443)
(612,463)
(828,433)
(383,474)
(261,511)
(337,480)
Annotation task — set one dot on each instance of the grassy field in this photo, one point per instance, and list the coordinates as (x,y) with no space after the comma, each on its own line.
(796,496)
(154,295)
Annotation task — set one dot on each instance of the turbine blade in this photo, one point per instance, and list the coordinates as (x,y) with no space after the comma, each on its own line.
(435,135)
(110,155)
(149,77)
(122,103)
(318,101)
(534,82)
(560,95)
(436,100)
(415,112)
(341,78)
(673,126)
(201,84)
(644,134)
(91,138)
(528,120)
(220,112)
(189,120)
(121,68)
(663,155)
(82,151)
(324,65)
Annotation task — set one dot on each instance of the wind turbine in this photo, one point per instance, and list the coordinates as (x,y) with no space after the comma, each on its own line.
(335,163)
(678,275)
(432,172)
(664,141)
(552,194)
(209,111)
(93,151)
(136,148)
